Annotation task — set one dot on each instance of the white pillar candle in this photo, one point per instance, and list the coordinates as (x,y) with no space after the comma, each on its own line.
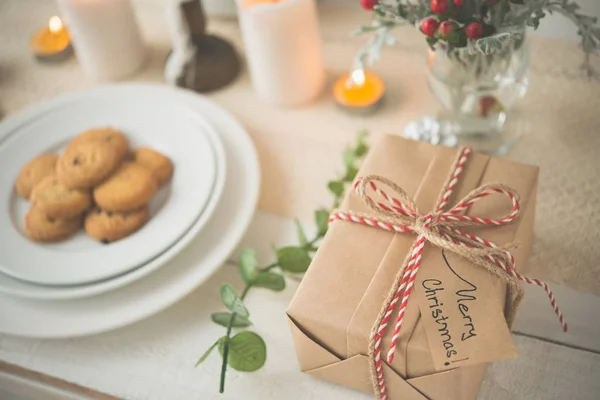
(106,37)
(283,49)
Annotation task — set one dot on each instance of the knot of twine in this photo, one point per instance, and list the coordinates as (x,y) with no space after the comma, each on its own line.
(442,229)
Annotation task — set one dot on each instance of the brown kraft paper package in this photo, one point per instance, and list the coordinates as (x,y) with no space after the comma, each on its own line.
(334,310)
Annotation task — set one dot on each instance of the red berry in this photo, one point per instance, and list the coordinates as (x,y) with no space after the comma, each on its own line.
(458,3)
(446,27)
(439,6)
(474,30)
(429,26)
(368,4)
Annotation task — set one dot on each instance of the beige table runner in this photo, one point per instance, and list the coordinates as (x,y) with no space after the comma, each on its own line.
(300,148)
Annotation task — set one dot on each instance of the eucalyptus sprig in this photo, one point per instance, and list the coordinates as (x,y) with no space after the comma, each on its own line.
(246,351)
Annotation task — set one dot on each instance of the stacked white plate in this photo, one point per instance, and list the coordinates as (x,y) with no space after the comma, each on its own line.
(79,286)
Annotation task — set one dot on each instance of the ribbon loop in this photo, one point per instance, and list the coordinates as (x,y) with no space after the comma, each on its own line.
(453,217)
(402,205)
(399,213)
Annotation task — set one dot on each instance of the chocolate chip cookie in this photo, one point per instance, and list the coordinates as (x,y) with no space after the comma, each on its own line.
(86,164)
(58,201)
(129,188)
(41,228)
(108,226)
(33,172)
(110,136)
(160,165)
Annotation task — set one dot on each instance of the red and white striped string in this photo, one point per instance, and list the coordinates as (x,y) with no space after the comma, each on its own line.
(442,224)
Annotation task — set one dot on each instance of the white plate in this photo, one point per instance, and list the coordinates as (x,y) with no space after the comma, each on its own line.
(147,119)
(165,286)
(19,288)
(28,290)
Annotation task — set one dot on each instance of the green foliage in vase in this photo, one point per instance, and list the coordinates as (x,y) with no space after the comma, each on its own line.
(246,351)
(473,26)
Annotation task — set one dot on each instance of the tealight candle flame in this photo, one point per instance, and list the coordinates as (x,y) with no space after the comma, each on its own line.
(55,24)
(52,42)
(357,78)
(359,90)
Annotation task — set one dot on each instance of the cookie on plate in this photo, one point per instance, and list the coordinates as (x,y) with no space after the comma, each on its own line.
(33,172)
(159,164)
(58,201)
(86,164)
(129,188)
(108,226)
(41,228)
(114,138)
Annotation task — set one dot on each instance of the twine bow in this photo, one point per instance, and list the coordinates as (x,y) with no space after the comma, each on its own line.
(442,229)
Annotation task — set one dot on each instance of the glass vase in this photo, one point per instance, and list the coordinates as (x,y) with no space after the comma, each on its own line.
(477,92)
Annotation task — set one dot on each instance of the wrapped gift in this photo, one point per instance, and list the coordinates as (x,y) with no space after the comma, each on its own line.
(414,288)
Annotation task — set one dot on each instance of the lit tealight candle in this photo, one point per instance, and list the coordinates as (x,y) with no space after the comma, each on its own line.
(359,92)
(52,43)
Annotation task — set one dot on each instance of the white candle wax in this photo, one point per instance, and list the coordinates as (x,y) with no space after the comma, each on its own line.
(105,36)
(283,49)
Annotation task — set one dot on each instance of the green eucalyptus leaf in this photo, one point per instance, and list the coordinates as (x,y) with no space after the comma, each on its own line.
(361,145)
(228,295)
(270,280)
(247,351)
(489,30)
(293,259)
(232,301)
(455,37)
(462,40)
(301,235)
(349,157)
(223,318)
(402,11)
(351,172)
(210,349)
(365,29)
(248,264)
(431,41)
(240,309)
(336,187)
(322,221)
(222,343)
(378,11)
